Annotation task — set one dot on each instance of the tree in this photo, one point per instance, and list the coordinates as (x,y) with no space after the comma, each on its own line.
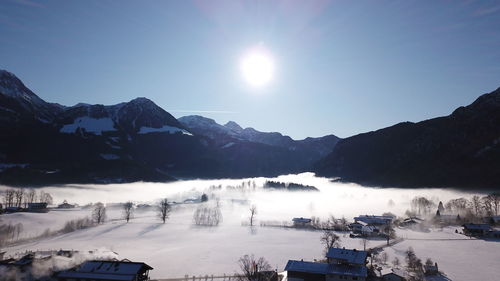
(9,197)
(476,205)
(19,195)
(204,198)
(384,257)
(128,210)
(396,262)
(45,197)
(99,213)
(330,240)
(164,209)
(30,196)
(364,242)
(389,232)
(251,268)
(208,216)
(253,212)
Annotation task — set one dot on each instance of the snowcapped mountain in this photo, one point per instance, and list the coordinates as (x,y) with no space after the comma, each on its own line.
(44,143)
(232,132)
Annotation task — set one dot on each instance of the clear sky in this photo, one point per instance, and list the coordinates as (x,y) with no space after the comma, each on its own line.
(341,67)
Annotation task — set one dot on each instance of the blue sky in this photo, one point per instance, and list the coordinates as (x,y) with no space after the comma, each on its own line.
(342,67)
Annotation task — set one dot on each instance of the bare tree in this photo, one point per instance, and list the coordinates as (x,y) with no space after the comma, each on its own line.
(30,196)
(364,242)
(128,210)
(252,268)
(45,197)
(9,197)
(19,195)
(330,240)
(396,262)
(207,216)
(164,209)
(476,205)
(99,213)
(253,212)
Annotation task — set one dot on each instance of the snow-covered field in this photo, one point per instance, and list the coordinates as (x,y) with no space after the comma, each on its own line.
(178,247)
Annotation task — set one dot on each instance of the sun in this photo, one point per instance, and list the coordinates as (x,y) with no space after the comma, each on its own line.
(257,67)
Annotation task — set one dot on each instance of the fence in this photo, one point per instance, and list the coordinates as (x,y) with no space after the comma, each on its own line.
(224,277)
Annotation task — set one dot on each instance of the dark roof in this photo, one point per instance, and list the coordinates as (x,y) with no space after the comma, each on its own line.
(106,270)
(306,220)
(325,268)
(350,256)
(477,226)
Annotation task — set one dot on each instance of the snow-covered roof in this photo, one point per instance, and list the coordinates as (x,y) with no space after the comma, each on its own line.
(347,255)
(106,270)
(303,220)
(325,268)
(374,219)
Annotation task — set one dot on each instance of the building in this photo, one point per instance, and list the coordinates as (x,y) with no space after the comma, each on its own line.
(431,269)
(393,274)
(301,222)
(472,229)
(65,205)
(492,220)
(37,207)
(374,220)
(124,270)
(364,229)
(411,221)
(343,264)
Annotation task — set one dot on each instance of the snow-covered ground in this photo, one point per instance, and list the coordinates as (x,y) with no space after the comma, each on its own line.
(178,247)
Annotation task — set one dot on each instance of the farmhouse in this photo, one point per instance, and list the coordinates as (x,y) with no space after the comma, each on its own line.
(301,222)
(364,229)
(343,264)
(124,270)
(374,220)
(37,207)
(394,274)
(65,205)
(473,229)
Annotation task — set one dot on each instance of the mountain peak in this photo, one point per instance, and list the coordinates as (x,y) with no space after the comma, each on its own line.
(233,126)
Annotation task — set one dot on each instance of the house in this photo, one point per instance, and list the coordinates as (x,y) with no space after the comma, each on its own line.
(431,269)
(493,234)
(65,205)
(446,218)
(37,207)
(124,270)
(363,228)
(411,221)
(472,229)
(492,220)
(394,274)
(374,220)
(343,264)
(13,209)
(301,222)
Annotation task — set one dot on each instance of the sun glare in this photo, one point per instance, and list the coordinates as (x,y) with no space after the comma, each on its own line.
(257,67)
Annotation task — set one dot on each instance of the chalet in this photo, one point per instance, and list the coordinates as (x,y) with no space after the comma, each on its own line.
(65,205)
(374,220)
(363,228)
(301,222)
(13,209)
(492,220)
(472,229)
(431,269)
(37,207)
(394,274)
(124,270)
(343,264)
(411,221)
(446,218)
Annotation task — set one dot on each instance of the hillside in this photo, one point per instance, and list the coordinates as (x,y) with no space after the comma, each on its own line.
(458,150)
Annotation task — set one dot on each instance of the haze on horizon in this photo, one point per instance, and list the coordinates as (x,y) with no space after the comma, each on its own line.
(339,67)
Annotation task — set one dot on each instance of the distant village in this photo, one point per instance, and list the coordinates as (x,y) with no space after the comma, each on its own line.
(338,263)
